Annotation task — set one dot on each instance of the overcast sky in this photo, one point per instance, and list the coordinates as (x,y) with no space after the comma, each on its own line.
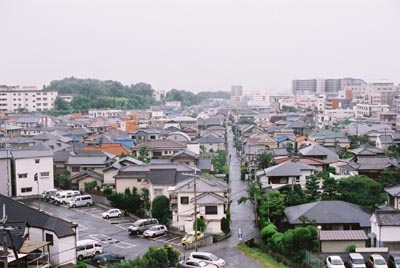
(199,45)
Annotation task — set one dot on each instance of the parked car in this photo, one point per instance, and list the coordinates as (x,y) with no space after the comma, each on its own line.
(190,237)
(394,261)
(87,248)
(80,201)
(49,194)
(112,213)
(142,225)
(195,264)
(207,257)
(45,192)
(107,258)
(334,262)
(66,196)
(377,261)
(155,231)
(356,260)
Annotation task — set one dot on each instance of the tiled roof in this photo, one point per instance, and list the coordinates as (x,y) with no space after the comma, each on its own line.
(287,169)
(83,160)
(388,217)
(160,144)
(329,212)
(342,235)
(393,191)
(210,138)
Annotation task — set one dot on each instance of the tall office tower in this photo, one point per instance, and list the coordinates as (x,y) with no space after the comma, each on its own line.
(236,94)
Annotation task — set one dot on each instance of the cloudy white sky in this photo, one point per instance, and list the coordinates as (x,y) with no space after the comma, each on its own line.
(199,45)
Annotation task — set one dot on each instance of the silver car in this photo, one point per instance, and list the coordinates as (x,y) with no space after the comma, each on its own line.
(155,231)
(195,264)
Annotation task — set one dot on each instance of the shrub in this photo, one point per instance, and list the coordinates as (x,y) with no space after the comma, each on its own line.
(201,225)
(225,225)
(351,248)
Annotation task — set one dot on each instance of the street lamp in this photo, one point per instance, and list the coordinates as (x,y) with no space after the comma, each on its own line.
(319,227)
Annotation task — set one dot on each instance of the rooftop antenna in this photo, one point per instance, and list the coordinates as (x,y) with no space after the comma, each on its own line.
(5,248)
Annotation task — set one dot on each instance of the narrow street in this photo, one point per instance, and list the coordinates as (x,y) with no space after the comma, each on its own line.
(242,216)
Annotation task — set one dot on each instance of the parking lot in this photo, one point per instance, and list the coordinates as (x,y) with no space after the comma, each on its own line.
(111,233)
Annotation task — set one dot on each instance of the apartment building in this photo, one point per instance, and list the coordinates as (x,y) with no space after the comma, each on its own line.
(321,85)
(378,93)
(31,99)
(236,94)
(370,111)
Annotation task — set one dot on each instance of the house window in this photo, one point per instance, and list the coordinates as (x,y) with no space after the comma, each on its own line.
(23,175)
(49,238)
(152,137)
(184,200)
(158,191)
(211,210)
(37,161)
(283,180)
(139,180)
(75,169)
(44,174)
(26,189)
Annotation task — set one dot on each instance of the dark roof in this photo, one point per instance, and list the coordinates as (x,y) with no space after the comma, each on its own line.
(162,176)
(160,144)
(17,231)
(61,156)
(387,217)
(393,191)
(210,138)
(287,169)
(43,137)
(88,173)
(17,211)
(329,212)
(204,164)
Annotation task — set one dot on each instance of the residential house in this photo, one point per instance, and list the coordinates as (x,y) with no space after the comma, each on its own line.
(32,170)
(285,175)
(371,130)
(5,173)
(113,148)
(368,161)
(329,138)
(319,152)
(394,196)
(112,170)
(160,148)
(78,181)
(76,164)
(179,137)
(339,240)
(383,141)
(385,229)
(144,135)
(211,143)
(150,176)
(47,237)
(330,215)
(210,198)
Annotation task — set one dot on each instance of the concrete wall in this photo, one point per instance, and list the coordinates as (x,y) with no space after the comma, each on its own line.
(339,246)
(5,177)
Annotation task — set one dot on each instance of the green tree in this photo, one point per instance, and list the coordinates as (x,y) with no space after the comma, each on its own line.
(80,104)
(201,225)
(160,209)
(61,105)
(265,160)
(90,185)
(144,154)
(368,192)
(329,187)
(295,196)
(312,192)
(145,196)
(272,206)
(62,180)
(389,178)
(225,225)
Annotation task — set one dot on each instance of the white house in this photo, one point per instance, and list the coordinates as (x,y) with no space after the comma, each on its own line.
(211,199)
(211,142)
(43,230)
(32,171)
(285,174)
(385,229)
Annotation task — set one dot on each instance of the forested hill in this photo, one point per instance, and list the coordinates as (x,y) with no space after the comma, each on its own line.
(96,93)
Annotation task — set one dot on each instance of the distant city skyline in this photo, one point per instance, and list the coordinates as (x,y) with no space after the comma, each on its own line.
(199,45)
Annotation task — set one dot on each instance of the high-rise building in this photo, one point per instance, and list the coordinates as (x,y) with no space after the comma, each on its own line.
(321,85)
(236,94)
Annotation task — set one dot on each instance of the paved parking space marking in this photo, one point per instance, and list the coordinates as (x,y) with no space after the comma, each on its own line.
(111,241)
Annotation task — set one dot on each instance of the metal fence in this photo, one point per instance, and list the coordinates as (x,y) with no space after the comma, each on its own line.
(314,261)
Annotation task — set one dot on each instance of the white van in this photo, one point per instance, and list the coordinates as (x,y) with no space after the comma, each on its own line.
(88,248)
(80,201)
(66,196)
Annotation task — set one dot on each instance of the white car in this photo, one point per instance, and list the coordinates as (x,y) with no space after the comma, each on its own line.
(155,231)
(112,213)
(335,262)
(195,264)
(207,257)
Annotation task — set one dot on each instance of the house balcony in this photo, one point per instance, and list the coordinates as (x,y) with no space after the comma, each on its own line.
(38,260)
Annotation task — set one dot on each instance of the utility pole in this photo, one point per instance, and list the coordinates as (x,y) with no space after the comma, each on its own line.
(195,210)
(5,248)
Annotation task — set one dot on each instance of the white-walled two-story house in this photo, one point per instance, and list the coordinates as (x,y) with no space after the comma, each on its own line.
(32,170)
(385,229)
(211,199)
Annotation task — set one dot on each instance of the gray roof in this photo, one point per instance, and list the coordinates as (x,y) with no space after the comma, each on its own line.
(160,144)
(318,150)
(28,120)
(84,160)
(19,140)
(5,154)
(43,137)
(202,185)
(385,138)
(342,235)
(329,212)
(387,217)
(204,164)
(210,138)
(367,151)
(165,176)
(17,211)
(30,152)
(370,163)
(287,169)
(87,173)
(296,124)
(126,161)
(61,156)
(393,191)
(209,198)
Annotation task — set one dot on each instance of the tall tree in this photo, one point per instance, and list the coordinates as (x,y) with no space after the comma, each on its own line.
(160,209)
(329,188)
(312,192)
(265,160)
(144,154)
(80,104)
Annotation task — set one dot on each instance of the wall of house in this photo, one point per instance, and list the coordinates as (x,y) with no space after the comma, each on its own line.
(122,184)
(5,177)
(81,185)
(339,246)
(214,146)
(156,190)
(109,176)
(63,249)
(29,167)
(388,234)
